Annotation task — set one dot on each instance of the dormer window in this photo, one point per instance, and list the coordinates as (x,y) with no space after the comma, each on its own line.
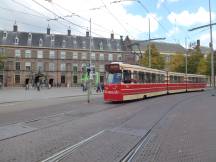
(40,42)
(109,44)
(83,44)
(118,46)
(16,40)
(5,35)
(29,36)
(63,43)
(52,40)
(74,42)
(101,45)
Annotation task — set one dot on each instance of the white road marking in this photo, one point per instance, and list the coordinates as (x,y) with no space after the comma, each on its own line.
(58,156)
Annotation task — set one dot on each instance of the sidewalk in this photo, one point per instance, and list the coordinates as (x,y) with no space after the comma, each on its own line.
(20,94)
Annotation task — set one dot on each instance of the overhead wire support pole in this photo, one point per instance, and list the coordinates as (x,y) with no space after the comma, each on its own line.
(149,48)
(90,75)
(212,50)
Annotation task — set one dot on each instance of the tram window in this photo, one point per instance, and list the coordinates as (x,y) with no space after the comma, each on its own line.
(148,77)
(141,77)
(171,79)
(153,78)
(127,76)
(135,77)
(114,78)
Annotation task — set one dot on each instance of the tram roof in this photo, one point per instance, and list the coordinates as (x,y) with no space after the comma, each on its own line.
(137,67)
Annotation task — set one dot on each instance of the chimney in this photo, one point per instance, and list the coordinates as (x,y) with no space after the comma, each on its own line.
(198,43)
(112,35)
(15,27)
(48,30)
(121,37)
(69,31)
(87,33)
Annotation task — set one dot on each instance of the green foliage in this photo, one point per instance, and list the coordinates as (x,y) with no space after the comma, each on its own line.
(177,63)
(157,60)
(209,64)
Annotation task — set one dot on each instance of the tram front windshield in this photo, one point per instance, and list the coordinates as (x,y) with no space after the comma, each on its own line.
(114,78)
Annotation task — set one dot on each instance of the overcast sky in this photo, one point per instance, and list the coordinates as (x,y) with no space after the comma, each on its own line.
(168,18)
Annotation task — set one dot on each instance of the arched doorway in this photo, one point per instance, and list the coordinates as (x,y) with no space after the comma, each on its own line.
(51,81)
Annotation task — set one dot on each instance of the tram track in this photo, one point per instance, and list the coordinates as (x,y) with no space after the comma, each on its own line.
(64,154)
(144,139)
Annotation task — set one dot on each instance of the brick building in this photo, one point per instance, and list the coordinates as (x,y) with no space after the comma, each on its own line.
(58,58)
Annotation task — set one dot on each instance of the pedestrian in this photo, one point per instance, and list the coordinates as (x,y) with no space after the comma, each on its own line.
(38,86)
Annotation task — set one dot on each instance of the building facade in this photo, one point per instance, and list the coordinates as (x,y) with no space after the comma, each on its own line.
(59,59)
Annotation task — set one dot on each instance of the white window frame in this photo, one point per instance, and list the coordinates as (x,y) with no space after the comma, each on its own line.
(40,54)
(93,56)
(28,53)
(27,64)
(110,57)
(101,56)
(83,56)
(75,55)
(51,66)
(63,67)
(17,53)
(63,54)
(52,54)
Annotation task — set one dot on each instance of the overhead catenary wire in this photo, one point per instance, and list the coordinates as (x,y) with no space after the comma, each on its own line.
(115,18)
(62,18)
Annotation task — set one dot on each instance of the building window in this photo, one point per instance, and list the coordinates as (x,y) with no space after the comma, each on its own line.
(75,79)
(93,56)
(101,56)
(63,43)
(40,42)
(75,43)
(101,45)
(17,66)
(118,46)
(62,79)
(51,66)
(17,79)
(28,66)
(63,54)
(75,55)
(29,36)
(17,53)
(16,40)
(83,44)
(5,35)
(63,66)
(27,53)
(119,57)
(75,68)
(110,57)
(52,54)
(40,54)
(40,66)
(101,68)
(52,40)
(83,56)
(109,44)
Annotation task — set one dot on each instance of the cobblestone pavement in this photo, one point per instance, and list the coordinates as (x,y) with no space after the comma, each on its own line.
(182,129)
(186,134)
(20,94)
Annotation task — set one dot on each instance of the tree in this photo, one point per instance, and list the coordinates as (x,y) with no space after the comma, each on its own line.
(202,67)
(157,60)
(177,63)
(194,59)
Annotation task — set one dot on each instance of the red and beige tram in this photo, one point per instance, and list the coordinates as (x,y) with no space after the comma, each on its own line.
(129,82)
